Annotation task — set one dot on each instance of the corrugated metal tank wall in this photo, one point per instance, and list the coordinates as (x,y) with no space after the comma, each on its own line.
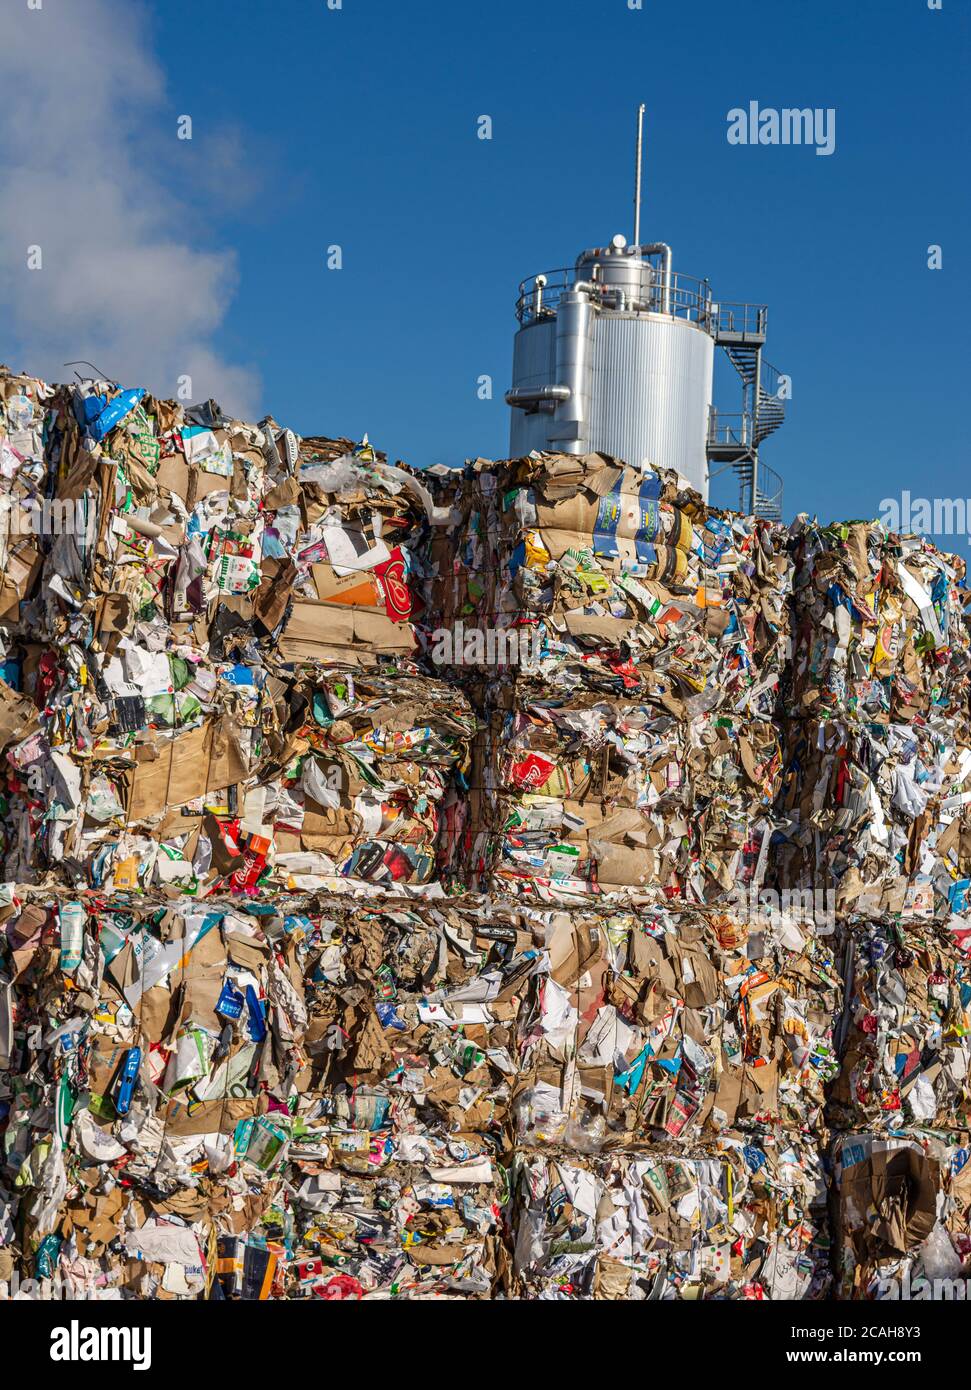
(652,388)
(649,394)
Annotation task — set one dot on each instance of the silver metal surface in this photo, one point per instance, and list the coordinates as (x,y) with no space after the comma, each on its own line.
(533,367)
(648,288)
(538,295)
(536,395)
(617,354)
(612,267)
(639,386)
(651,393)
(574,342)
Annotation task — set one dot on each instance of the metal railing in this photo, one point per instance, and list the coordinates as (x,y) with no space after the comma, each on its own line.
(748,319)
(725,429)
(769,493)
(688,297)
(742,430)
(770,380)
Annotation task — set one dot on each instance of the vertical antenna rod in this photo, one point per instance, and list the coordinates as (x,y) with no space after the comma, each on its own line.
(637,175)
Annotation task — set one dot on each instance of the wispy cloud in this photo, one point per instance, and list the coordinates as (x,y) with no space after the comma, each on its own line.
(126,281)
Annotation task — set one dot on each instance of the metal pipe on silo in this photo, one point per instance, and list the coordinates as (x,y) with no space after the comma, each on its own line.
(537,395)
(661,248)
(574,332)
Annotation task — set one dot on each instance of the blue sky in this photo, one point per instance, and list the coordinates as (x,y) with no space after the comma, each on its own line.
(357,127)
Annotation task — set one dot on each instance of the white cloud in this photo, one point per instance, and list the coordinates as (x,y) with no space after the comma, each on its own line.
(127,282)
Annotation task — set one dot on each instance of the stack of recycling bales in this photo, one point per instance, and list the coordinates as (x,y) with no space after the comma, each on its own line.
(272,712)
(878,733)
(874,812)
(210,697)
(329,1098)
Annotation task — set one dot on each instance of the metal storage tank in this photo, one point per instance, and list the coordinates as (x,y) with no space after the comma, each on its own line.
(616,355)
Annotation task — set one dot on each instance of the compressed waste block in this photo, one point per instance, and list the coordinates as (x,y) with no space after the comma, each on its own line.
(667,1025)
(630,646)
(326,1082)
(905,1043)
(877,734)
(902,1215)
(733,1221)
(211,683)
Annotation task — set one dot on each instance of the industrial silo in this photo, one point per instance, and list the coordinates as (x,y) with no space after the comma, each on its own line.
(616,354)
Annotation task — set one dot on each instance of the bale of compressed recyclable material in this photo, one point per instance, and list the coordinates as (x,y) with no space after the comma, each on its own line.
(902,1208)
(664,1025)
(906,1034)
(210,680)
(734,1221)
(877,734)
(326,1081)
(627,648)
